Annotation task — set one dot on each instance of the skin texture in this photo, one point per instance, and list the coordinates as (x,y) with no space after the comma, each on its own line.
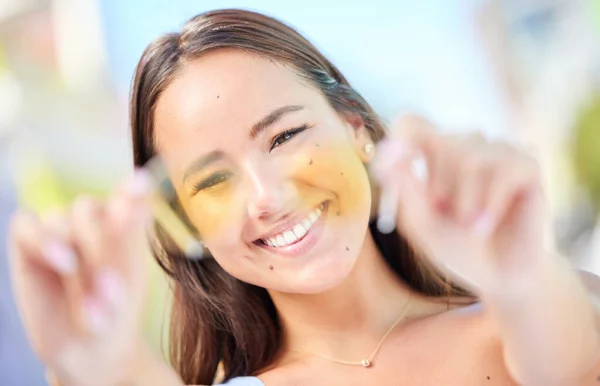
(265,185)
(478,216)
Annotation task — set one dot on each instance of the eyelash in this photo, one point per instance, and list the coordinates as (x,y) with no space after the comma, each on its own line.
(217,178)
(211,181)
(286,133)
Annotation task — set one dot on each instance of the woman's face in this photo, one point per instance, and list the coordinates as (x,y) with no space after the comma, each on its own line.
(270,175)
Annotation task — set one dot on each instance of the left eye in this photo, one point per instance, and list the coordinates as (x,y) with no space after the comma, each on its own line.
(286,135)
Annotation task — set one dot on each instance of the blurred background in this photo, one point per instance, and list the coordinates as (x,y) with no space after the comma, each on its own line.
(527,71)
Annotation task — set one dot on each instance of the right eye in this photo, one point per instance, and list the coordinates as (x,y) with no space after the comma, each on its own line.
(212,181)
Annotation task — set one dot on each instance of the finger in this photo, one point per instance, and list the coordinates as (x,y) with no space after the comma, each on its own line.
(36,263)
(389,156)
(475,171)
(388,206)
(39,248)
(87,218)
(101,246)
(91,295)
(389,151)
(419,136)
(393,164)
(415,133)
(415,217)
(452,168)
(130,200)
(443,163)
(129,213)
(57,224)
(509,184)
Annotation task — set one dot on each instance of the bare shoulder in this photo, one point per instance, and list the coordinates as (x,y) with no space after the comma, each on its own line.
(474,343)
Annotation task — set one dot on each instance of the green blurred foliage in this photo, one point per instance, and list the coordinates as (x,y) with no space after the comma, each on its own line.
(586,150)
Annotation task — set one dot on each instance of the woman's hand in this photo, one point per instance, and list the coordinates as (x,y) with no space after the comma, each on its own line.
(476,211)
(79,281)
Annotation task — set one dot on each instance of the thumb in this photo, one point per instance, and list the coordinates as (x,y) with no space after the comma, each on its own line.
(401,173)
(130,214)
(415,214)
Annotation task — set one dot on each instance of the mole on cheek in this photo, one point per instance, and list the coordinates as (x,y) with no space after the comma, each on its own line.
(271,267)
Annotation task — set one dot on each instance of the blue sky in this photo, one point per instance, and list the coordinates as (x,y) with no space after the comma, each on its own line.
(401,55)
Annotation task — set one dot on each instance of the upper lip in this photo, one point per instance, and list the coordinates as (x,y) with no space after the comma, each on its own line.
(287,223)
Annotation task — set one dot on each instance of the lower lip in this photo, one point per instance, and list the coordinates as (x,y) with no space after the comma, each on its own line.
(304,245)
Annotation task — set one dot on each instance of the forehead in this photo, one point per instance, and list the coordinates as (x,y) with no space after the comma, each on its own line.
(223,91)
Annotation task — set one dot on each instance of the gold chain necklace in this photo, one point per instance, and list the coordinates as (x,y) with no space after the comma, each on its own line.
(368,361)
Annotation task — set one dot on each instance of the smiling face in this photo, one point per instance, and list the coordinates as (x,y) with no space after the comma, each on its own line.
(271,176)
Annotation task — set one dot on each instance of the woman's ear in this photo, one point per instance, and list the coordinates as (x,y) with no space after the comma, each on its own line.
(360,137)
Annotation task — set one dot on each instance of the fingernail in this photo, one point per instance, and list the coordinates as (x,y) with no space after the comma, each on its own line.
(386,224)
(61,257)
(110,286)
(419,169)
(140,184)
(96,317)
(484,225)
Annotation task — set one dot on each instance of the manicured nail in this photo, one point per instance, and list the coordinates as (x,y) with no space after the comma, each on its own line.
(386,224)
(61,257)
(140,184)
(110,286)
(484,225)
(419,169)
(95,315)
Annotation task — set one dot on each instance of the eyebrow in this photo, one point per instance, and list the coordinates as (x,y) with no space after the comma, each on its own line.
(202,162)
(260,126)
(271,119)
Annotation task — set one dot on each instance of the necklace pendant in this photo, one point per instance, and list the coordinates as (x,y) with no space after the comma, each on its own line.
(366,363)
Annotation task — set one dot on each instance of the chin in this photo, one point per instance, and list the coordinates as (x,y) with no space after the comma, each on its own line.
(321,278)
(317,262)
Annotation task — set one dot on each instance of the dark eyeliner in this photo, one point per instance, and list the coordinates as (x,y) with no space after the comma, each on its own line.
(280,139)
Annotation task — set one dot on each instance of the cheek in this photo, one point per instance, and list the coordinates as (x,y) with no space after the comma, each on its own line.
(336,168)
(212,212)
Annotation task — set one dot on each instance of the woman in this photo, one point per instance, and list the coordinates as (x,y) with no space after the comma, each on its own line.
(272,153)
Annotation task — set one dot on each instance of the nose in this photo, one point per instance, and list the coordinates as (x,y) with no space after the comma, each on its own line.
(266,193)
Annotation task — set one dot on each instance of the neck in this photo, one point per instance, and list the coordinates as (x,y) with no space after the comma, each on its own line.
(348,320)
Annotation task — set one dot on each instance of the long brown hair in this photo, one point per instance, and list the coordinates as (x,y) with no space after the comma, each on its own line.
(215,317)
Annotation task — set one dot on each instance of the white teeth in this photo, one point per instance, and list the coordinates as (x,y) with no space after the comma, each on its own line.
(289,237)
(306,224)
(280,241)
(297,232)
